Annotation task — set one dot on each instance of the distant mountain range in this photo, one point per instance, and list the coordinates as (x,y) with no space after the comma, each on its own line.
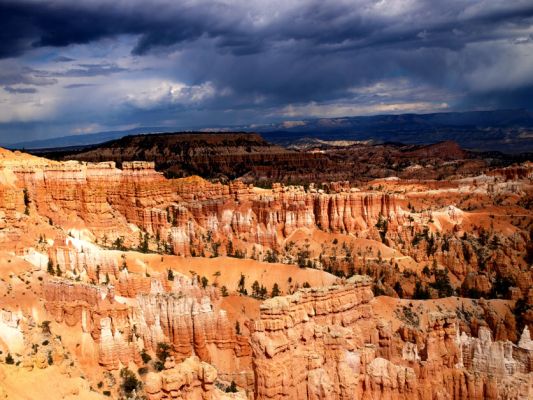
(81,140)
(509,131)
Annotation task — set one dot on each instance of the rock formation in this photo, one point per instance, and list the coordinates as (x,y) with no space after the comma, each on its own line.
(184,318)
(95,249)
(189,380)
(326,344)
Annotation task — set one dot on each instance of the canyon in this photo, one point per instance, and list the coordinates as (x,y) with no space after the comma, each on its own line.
(226,156)
(120,281)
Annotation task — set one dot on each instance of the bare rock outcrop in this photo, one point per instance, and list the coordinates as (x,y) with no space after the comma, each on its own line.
(186,320)
(326,344)
(189,380)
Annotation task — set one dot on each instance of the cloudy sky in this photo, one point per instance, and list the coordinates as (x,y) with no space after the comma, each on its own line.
(75,67)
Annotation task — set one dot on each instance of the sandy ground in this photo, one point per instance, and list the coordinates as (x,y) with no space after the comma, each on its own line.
(386,308)
(17,383)
(230,270)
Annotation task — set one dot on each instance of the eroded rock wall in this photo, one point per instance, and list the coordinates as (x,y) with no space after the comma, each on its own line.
(326,344)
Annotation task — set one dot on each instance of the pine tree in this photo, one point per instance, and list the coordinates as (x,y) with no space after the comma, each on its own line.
(232,388)
(170,275)
(256,289)
(9,359)
(229,248)
(241,284)
(275,290)
(50,268)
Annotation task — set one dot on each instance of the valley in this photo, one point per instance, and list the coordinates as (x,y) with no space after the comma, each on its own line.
(125,277)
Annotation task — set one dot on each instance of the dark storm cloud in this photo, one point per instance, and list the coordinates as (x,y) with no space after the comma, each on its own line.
(62,59)
(26,25)
(265,55)
(87,70)
(78,85)
(313,49)
(329,25)
(11,75)
(26,90)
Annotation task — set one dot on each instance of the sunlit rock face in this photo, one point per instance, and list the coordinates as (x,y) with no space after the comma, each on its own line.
(184,319)
(91,248)
(326,344)
(109,201)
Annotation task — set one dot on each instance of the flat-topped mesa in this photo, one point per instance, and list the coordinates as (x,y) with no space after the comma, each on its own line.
(195,188)
(147,166)
(67,172)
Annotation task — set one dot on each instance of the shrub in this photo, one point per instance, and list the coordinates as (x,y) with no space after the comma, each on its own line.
(143,242)
(501,285)
(421,293)
(163,351)
(410,317)
(224,291)
(129,381)
(145,357)
(9,359)
(26,202)
(50,267)
(442,283)
(271,256)
(170,275)
(45,327)
(205,282)
(275,290)
(382,226)
(241,284)
(232,388)
(142,371)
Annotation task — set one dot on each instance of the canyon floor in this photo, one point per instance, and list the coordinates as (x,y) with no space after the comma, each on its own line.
(127,279)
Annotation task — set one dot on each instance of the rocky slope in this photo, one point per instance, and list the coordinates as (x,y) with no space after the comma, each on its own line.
(211,155)
(133,282)
(326,344)
(226,156)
